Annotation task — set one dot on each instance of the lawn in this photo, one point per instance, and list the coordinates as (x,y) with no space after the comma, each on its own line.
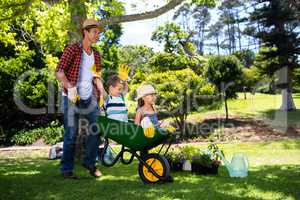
(258,106)
(274,174)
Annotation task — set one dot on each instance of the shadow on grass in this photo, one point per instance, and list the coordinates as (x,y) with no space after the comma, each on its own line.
(296,96)
(282,118)
(229,128)
(40,179)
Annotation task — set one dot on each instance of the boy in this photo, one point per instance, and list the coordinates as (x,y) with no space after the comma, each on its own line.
(114,105)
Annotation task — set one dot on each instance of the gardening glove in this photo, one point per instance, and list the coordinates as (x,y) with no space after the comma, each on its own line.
(101,102)
(73,95)
(95,73)
(123,72)
(148,127)
(149,132)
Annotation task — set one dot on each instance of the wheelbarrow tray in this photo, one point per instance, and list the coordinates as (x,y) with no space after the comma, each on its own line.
(129,134)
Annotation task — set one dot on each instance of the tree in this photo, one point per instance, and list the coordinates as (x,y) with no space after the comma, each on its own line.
(31,43)
(184,13)
(225,72)
(230,19)
(281,49)
(202,18)
(246,57)
(135,56)
(194,14)
(174,39)
(78,12)
(215,31)
(250,78)
(180,92)
(163,61)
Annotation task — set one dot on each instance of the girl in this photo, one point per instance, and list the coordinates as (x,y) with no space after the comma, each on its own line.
(146,96)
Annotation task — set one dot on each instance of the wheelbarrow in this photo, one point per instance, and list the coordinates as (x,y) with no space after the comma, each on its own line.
(153,167)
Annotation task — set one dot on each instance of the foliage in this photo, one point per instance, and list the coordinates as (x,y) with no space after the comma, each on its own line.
(208,157)
(135,56)
(226,73)
(174,39)
(223,70)
(246,57)
(250,78)
(181,92)
(188,151)
(10,70)
(109,40)
(51,134)
(203,159)
(280,37)
(163,61)
(175,155)
(33,89)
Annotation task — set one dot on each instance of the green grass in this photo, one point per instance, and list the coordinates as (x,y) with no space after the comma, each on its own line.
(259,106)
(274,174)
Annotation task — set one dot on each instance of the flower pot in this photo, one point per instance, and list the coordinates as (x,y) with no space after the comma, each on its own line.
(204,170)
(176,166)
(187,166)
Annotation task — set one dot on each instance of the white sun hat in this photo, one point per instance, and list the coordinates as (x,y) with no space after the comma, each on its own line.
(145,90)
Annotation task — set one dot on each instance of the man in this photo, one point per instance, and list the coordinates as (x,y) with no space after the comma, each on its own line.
(78,72)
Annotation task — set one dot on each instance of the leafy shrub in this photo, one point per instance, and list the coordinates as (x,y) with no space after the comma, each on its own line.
(50,134)
(181,92)
(189,151)
(175,155)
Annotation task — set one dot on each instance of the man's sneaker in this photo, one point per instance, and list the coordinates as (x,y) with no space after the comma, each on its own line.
(69,175)
(93,171)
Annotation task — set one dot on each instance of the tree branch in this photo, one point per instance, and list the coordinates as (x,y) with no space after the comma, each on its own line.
(142,16)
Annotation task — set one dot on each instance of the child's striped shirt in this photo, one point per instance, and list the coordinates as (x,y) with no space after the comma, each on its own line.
(116,108)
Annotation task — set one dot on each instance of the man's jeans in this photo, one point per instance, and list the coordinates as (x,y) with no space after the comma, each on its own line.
(88,110)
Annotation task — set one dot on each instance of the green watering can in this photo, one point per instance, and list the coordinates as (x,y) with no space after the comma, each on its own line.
(238,167)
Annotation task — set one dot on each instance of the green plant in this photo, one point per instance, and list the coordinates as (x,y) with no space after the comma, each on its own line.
(213,149)
(188,151)
(203,159)
(208,157)
(226,73)
(180,93)
(175,155)
(50,134)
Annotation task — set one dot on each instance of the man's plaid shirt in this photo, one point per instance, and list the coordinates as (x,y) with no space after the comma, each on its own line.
(70,62)
(71,59)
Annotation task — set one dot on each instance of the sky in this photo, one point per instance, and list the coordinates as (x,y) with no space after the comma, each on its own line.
(139,32)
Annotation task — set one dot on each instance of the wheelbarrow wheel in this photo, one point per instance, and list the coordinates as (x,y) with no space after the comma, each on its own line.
(160,166)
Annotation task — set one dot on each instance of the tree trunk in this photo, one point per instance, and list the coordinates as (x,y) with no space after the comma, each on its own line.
(239,31)
(226,106)
(287,100)
(218,45)
(285,76)
(78,15)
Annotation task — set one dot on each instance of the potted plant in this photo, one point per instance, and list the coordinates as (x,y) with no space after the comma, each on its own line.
(207,162)
(175,158)
(189,152)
